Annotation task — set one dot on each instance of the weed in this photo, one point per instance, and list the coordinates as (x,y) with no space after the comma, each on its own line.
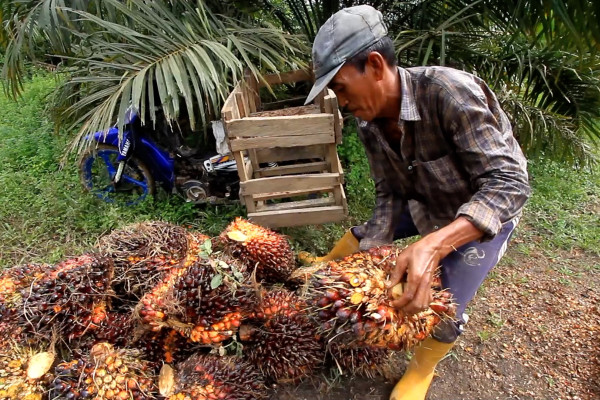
(484,335)
(496,320)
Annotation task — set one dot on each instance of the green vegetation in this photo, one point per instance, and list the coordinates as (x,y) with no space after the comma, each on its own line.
(45,215)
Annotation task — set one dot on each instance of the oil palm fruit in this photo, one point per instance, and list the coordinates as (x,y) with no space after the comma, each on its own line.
(66,297)
(360,360)
(105,373)
(205,301)
(259,248)
(350,299)
(281,339)
(24,372)
(210,377)
(167,346)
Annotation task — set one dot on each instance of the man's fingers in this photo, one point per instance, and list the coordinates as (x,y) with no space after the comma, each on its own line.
(397,273)
(410,290)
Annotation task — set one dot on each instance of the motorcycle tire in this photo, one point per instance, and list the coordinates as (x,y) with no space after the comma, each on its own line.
(97,168)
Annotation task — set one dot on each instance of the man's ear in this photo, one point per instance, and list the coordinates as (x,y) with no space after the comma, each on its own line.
(376,65)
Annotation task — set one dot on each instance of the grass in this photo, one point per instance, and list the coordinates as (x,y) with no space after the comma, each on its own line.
(46,216)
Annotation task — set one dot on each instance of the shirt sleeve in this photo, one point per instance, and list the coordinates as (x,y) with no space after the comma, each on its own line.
(379,230)
(489,154)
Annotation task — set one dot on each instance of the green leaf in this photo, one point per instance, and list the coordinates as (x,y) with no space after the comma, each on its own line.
(216,281)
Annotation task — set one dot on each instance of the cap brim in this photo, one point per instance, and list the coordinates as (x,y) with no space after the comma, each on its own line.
(321,83)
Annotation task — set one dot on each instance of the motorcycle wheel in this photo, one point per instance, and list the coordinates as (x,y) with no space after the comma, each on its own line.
(97,168)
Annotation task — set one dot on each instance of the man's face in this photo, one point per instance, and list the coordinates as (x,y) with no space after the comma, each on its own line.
(358,92)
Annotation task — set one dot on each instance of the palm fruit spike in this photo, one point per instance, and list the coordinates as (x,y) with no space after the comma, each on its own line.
(269,252)
(208,377)
(105,373)
(65,297)
(350,299)
(24,373)
(366,361)
(284,347)
(205,301)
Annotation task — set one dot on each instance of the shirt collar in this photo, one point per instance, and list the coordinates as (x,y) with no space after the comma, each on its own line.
(408,105)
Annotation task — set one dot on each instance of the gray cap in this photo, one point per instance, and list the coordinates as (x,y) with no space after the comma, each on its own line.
(345,34)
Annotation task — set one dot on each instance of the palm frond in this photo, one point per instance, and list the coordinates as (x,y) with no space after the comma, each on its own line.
(181,62)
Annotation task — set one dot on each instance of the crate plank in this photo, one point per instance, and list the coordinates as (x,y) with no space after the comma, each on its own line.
(287,77)
(304,168)
(292,125)
(296,217)
(281,141)
(289,183)
(291,153)
(290,205)
(292,193)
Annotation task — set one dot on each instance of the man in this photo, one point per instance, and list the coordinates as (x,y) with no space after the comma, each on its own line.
(445,165)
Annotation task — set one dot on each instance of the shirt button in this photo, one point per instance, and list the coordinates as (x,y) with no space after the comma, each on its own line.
(436,227)
(410,167)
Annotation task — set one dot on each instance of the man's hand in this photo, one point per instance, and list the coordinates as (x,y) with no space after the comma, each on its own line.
(420,260)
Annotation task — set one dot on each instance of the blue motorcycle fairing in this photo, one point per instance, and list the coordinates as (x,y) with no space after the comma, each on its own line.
(160,163)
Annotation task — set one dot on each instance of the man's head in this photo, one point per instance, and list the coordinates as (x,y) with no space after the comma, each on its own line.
(352,53)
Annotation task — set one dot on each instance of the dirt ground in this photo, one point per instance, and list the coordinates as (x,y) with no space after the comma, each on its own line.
(534,333)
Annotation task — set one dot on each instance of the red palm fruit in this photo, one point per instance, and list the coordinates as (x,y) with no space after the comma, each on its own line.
(24,372)
(259,248)
(353,290)
(63,298)
(285,348)
(203,377)
(104,373)
(358,360)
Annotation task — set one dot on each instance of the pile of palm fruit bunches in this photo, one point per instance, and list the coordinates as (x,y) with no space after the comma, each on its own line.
(162,312)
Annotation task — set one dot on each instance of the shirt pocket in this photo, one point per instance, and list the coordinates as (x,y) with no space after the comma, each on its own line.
(442,175)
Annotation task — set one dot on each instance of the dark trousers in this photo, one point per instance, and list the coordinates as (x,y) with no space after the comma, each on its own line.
(463,270)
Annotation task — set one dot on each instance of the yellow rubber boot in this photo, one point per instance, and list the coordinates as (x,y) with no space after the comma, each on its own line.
(419,373)
(347,245)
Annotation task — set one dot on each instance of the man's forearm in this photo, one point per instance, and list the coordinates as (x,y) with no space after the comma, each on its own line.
(452,236)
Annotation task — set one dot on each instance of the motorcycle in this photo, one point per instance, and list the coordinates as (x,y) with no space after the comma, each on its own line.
(131,169)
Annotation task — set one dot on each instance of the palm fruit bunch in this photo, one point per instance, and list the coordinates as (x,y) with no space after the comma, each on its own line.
(259,248)
(211,377)
(205,301)
(351,301)
(68,297)
(24,372)
(105,373)
(143,252)
(112,327)
(12,282)
(366,361)
(281,339)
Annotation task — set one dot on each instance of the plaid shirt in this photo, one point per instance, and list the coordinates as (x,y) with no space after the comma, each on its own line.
(456,157)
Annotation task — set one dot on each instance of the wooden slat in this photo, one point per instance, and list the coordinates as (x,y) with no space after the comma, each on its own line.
(291,205)
(303,168)
(292,193)
(291,125)
(307,216)
(287,77)
(291,153)
(281,141)
(239,99)
(289,183)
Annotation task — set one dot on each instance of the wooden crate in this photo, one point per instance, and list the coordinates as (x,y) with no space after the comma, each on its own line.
(289,169)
